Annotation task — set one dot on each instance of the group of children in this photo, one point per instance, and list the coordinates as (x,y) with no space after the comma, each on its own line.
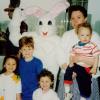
(23,77)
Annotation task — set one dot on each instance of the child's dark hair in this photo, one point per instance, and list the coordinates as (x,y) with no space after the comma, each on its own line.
(85,25)
(77,8)
(47,73)
(26,41)
(12,57)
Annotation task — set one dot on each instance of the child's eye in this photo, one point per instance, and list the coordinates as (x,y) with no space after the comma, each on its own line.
(14,64)
(49,22)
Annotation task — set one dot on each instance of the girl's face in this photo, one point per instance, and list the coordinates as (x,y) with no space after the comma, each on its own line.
(45,83)
(77,18)
(84,34)
(27,51)
(10,65)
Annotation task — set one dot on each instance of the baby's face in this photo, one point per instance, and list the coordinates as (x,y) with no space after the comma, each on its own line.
(84,35)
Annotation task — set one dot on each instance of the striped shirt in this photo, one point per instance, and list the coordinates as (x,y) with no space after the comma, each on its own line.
(88,50)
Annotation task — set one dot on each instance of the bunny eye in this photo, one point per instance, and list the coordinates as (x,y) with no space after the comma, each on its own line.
(40,23)
(49,23)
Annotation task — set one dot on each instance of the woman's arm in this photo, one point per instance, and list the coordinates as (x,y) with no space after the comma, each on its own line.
(95,65)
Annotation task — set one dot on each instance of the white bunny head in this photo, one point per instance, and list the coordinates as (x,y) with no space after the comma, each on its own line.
(46,25)
(46,20)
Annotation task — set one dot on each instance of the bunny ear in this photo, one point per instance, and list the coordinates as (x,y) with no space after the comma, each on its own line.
(58,8)
(35,10)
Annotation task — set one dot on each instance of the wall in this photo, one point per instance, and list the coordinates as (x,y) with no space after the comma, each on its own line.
(94,12)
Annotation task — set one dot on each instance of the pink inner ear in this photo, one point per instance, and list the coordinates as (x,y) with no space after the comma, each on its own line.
(58,8)
(36,11)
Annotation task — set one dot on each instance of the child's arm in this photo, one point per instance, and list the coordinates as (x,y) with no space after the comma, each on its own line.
(18,96)
(95,65)
(88,60)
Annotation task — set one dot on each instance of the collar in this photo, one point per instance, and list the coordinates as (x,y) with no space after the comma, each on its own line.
(81,43)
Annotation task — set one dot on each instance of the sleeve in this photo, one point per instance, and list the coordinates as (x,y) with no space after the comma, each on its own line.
(39,66)
(60,54)
(67,44)
(19,87)
(95,51)
(14,27)
(96,39)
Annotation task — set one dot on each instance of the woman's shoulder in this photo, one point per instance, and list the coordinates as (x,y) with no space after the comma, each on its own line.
(68,35)
(70,32)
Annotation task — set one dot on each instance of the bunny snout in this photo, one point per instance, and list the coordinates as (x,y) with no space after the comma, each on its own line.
(44,33)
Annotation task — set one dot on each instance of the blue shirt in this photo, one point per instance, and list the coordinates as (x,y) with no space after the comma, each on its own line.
(28,73)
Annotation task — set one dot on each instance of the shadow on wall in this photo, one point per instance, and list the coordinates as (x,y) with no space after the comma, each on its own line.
(97,26)
(1,61)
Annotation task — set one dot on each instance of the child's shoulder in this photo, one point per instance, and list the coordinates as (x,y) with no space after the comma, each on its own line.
(15,78)
(1,75)
(35,59)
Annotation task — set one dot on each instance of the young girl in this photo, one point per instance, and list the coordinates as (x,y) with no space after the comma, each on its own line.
(86,49)
(29,67)
(10,85)
(45,92)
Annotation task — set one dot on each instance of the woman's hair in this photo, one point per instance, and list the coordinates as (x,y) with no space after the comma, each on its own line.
(85,25)
(73,8)
(26,41)
(46,73)
(10,57)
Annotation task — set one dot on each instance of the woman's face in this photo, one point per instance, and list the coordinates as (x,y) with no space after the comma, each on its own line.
(77,18)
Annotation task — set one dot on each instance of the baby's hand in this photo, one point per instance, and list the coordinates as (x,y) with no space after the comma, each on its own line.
(93,70)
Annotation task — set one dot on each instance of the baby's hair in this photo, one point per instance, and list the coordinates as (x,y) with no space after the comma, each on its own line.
(26,41)
(46,73)
(85,25)
(10,57)
(73,8)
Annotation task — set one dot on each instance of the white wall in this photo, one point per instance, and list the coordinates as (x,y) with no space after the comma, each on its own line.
(3,4)
(94,10)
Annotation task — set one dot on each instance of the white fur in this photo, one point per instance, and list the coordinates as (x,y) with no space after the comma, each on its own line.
(47,43)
